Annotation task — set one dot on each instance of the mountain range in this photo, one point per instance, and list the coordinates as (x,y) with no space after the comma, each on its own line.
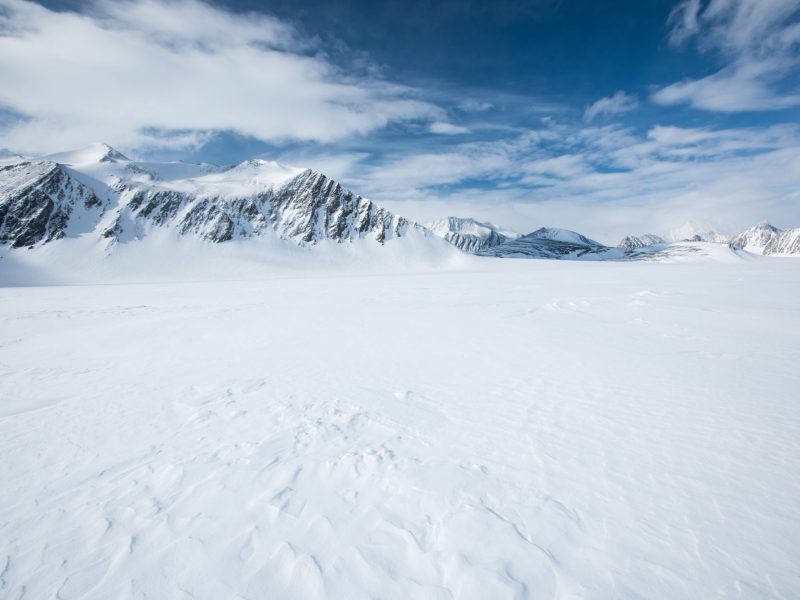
(100,193)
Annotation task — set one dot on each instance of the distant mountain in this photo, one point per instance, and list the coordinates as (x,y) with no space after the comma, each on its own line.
(756,238)
(101,192)
(693,232)
(633,242)
(768,240)
(547,242)
(97,193)
(470,235)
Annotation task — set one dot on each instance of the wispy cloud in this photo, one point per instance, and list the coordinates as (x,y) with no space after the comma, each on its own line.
(142,72)
(759,43)
(611,105)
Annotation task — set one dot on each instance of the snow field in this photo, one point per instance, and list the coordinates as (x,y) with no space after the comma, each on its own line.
(509,429)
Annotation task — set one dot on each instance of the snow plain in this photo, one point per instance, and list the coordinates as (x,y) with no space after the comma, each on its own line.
(480,429)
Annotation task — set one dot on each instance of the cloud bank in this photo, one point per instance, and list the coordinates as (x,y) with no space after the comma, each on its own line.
(169,74)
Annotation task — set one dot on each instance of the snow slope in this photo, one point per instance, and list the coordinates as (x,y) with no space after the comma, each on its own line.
(498,429)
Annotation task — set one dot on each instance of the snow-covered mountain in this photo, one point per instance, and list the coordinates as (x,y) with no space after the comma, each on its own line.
(786,242)
(547,242)
(470,235)
(99,191)
(756,238)
(632,242)
(768,240)
(693,232)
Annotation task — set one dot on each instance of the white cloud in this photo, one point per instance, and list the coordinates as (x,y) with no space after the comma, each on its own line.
(127,72)
(759,42)
(611,105)
(443,128)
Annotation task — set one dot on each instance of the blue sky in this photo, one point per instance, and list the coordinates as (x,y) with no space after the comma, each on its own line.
(607,117)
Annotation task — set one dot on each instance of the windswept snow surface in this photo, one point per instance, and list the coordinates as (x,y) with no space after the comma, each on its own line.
(499,429)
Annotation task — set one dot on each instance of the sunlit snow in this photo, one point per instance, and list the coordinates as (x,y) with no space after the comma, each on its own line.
(478,428)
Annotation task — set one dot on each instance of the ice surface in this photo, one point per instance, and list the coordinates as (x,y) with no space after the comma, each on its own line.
(491,429)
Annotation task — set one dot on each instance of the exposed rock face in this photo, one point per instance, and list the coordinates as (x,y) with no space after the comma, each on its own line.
(755,239)
(633,242)
(768,240)
(470,235)
(37,200)
(786,242)
(313,207)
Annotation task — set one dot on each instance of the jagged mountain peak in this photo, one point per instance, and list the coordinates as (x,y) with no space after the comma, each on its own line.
(95,192)
(756,238)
